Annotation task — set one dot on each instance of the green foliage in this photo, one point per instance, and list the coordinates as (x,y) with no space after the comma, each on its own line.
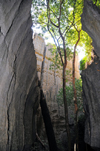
(70,95)
(87,57)
(72,36)
(56,60)
(37,7)
(71,11)
(82,64)
(97,2)
(68,74)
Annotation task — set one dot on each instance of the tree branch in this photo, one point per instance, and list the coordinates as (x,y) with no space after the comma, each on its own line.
(96,2)
(53,24)
(53,13)
(58,48)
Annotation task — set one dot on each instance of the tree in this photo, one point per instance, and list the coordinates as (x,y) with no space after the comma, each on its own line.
(63,21)
(74,90)
(62,35)
(55,23)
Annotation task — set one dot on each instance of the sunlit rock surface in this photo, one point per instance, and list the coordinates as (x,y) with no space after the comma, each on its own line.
(18,78)
(52,82)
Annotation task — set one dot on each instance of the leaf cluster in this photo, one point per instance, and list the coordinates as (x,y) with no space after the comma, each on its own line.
(37,7)
(82,64)
(56,60)
(96,2)
(70,95)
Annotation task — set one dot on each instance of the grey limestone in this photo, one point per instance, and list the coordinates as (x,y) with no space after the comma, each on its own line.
(18,75)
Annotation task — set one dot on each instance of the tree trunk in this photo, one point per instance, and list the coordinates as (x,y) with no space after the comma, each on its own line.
(75,102)
(66,108)
(47,122)
(75,93)
(64,63)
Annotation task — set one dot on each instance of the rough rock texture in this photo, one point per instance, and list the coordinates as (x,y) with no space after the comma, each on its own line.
(18,78)
(91,76)
(91,23)
(91,98)
(52,82)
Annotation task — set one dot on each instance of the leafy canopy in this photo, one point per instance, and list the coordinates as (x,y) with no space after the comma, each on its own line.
(70,22)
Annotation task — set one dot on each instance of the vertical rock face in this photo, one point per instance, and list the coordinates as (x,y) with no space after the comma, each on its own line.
(91,76)
(91,98)
(91,23)
(18,78)
(52,82)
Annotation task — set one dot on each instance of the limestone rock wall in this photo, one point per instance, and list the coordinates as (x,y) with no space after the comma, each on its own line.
(52,82)
(18,75)
(51,78)
(91,98)
(91,76)
(91,23)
